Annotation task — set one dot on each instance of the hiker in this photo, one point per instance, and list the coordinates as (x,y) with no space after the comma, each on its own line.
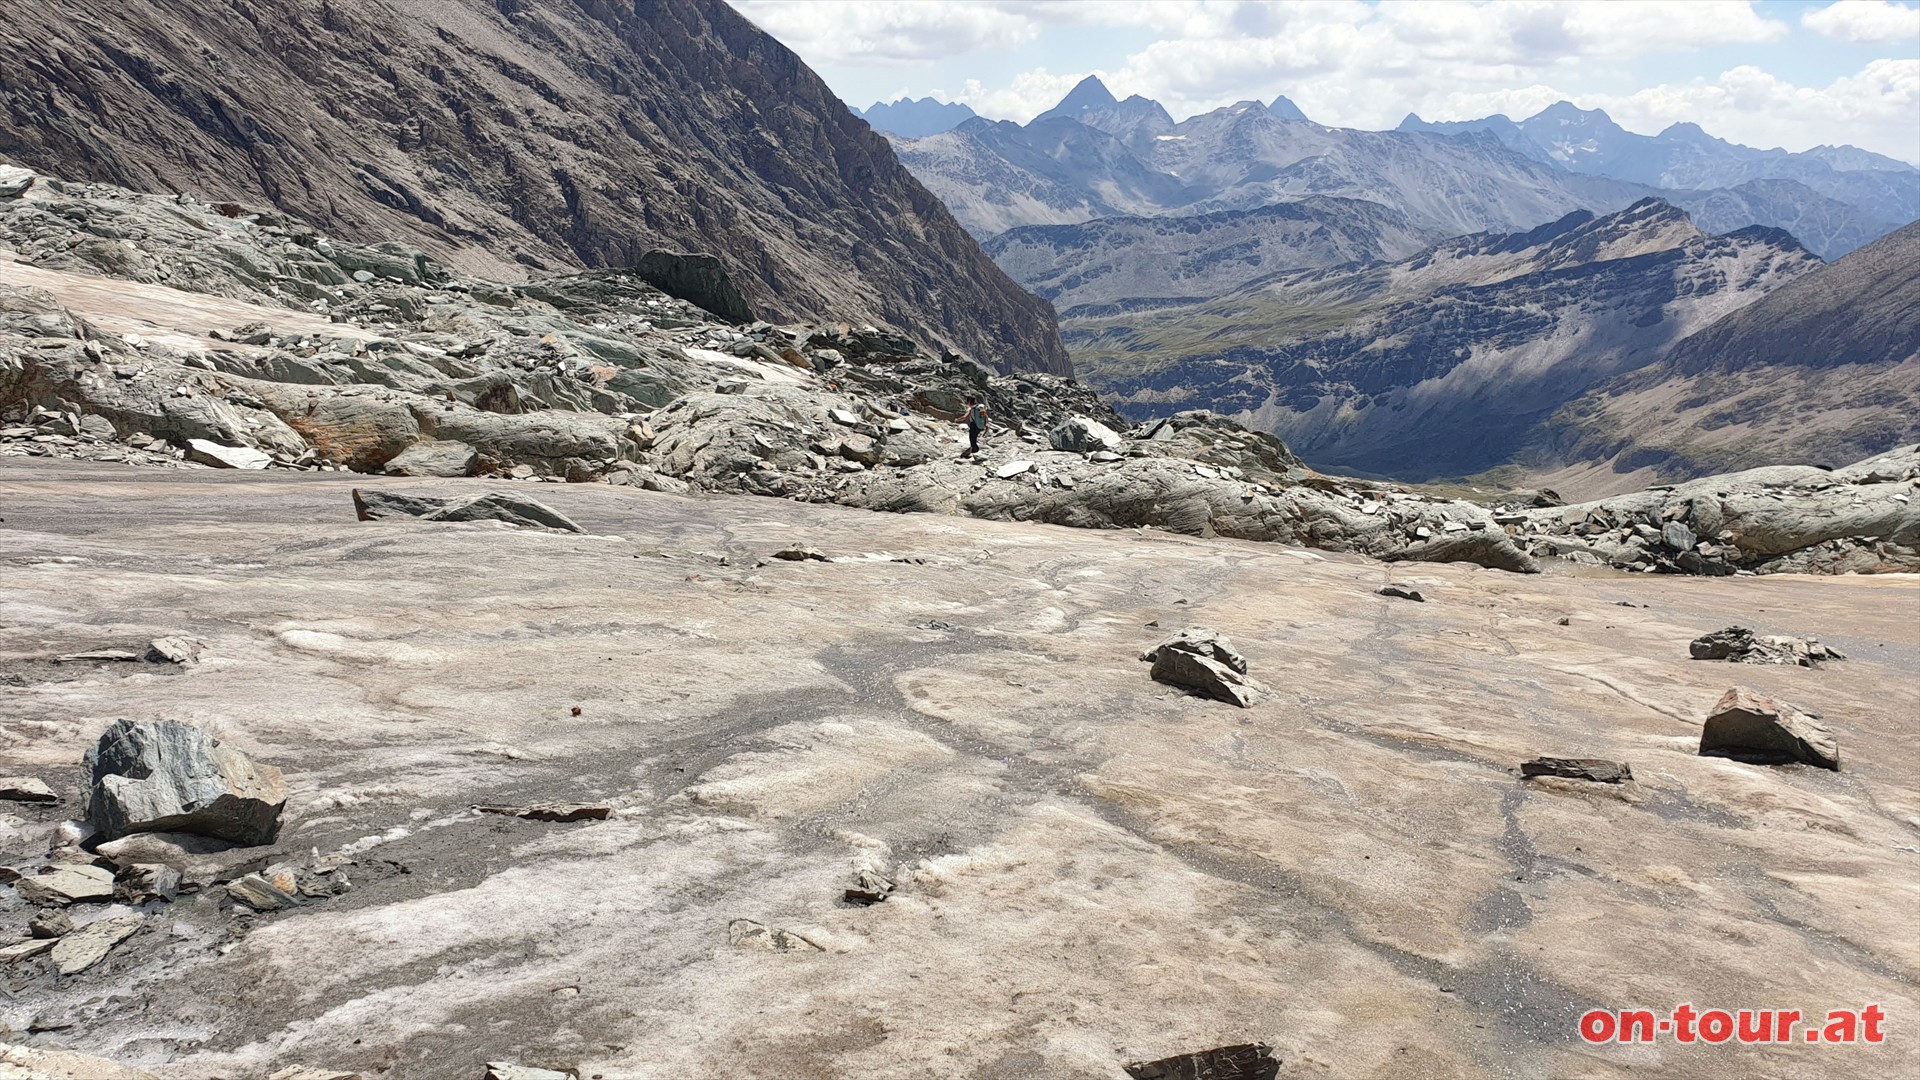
(976,425)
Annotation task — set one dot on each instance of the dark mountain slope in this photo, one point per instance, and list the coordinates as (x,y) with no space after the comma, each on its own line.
(1821,371)
(513,135)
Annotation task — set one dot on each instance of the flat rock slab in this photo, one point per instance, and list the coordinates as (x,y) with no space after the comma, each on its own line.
(67,883)
(90,944)
(26,789)
(227,457)
(1752,727)
(1596,769)
(1246,1061)
(166,776)
(492,506)
(21,950)
(40,1063)
(502,1070)
(570,812)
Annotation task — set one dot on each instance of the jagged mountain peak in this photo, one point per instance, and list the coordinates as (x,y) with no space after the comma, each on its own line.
(915,117)
(1088,93)
(1283,108)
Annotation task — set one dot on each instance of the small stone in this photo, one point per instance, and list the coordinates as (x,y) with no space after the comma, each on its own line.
(1677,536)
(51,923)
(868,888)
(1012,469)
(1399,593)
(262,894)
(173,650)
(1751,727)
(842,416)
(26,789)
(363,276)
(801,554)
(87,946)
(750,934)
(139,883)
(1595,769)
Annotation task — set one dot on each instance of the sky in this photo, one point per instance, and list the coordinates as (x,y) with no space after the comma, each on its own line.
(1764,73)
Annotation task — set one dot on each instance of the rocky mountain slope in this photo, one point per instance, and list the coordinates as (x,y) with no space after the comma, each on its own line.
(1129,263)
(1840,197)
(915,117)
(516,137)
(1822,371)
(1440,364)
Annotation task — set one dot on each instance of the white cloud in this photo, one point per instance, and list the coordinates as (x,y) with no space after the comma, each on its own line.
(1879,22)
(889,31)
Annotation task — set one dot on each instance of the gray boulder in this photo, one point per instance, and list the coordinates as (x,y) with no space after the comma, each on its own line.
(493,506)
(1084,435)
(1749,726)
(14,181)
(165,776)
(1205,662)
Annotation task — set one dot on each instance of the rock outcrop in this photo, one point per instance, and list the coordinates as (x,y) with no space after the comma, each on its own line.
(504,507)
(1739,645)
(166,776)
(508,137)
(1797,519)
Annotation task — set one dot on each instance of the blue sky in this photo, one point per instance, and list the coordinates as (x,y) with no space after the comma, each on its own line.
(1766,73)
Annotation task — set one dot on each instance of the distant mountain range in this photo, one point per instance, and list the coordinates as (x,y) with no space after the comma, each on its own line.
(914,117)
(1444,363)
(1094,156)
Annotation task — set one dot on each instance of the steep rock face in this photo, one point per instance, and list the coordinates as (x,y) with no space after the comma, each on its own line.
(514,135)
(1822,371)
(1439,364)
(1125,263)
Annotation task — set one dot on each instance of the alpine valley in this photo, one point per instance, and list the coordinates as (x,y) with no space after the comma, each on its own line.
(1423,303)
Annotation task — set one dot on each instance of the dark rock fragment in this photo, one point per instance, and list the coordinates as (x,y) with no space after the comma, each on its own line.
(1400,593)
(1595,769)
(1246,1061)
